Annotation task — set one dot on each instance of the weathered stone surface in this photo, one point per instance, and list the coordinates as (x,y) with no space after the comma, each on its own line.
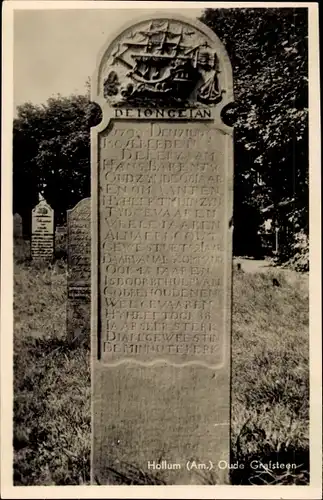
(42,232)
(161,249)
(79,271)
(162,257)
(60,231)
(17,226)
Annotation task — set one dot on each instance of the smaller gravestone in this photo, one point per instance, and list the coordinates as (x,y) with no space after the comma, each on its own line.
(60,241)
(17,226)
(79,271)
(42,232)
(277,240)
(60,231)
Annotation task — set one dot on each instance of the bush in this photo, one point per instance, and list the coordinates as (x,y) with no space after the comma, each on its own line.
(301,259)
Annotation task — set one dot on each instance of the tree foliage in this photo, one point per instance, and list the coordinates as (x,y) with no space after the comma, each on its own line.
(268,52)
(51,153)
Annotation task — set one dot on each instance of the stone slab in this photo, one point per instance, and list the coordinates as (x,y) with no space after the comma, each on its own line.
(162,181)
(60,241)
(79,271)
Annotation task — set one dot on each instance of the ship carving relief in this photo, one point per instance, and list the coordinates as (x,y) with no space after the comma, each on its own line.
(164,63)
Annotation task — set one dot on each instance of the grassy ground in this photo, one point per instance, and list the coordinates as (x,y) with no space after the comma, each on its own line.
(51,383)
(269,381)
(270,376)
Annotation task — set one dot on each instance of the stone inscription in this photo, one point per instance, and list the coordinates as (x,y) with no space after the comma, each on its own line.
(173,114)
(60,231)
(162,242)
(79,269)
(42,238)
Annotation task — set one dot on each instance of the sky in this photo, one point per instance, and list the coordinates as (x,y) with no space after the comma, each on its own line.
(55,51)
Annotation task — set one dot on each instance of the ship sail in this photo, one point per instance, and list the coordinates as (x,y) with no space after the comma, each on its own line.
(160,59)
(158,54)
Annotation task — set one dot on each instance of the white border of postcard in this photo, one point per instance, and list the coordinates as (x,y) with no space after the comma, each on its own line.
(313,491)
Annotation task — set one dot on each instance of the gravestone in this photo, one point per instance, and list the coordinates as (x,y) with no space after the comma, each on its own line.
(42,232)
(162,181)
(79,271)
(60,241)
(17,226)
(60,232)
(277,229)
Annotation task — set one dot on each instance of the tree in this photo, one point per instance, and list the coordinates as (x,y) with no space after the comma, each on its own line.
(51,153)
(268,52)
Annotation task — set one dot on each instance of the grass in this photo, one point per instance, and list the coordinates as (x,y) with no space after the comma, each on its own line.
(269,382)
(51,383)
(39,300)
(52,413)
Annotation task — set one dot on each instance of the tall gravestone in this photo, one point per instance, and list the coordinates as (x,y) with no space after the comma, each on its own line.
(162,181)
(42,232)
(79,271)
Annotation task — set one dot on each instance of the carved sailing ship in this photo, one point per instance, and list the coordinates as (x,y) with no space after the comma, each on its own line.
(163,68)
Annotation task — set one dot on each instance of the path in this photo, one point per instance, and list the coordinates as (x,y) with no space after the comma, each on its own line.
(263,266)
(253,266)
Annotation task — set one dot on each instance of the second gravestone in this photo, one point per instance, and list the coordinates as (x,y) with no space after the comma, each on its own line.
(17,226)
(79,271)
(162,180)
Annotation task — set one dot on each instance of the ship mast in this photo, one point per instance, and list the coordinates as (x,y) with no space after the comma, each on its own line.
(161,48)
(180,39)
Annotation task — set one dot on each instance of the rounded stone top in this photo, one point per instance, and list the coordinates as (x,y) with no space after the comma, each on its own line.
(42,208)
(165,62)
